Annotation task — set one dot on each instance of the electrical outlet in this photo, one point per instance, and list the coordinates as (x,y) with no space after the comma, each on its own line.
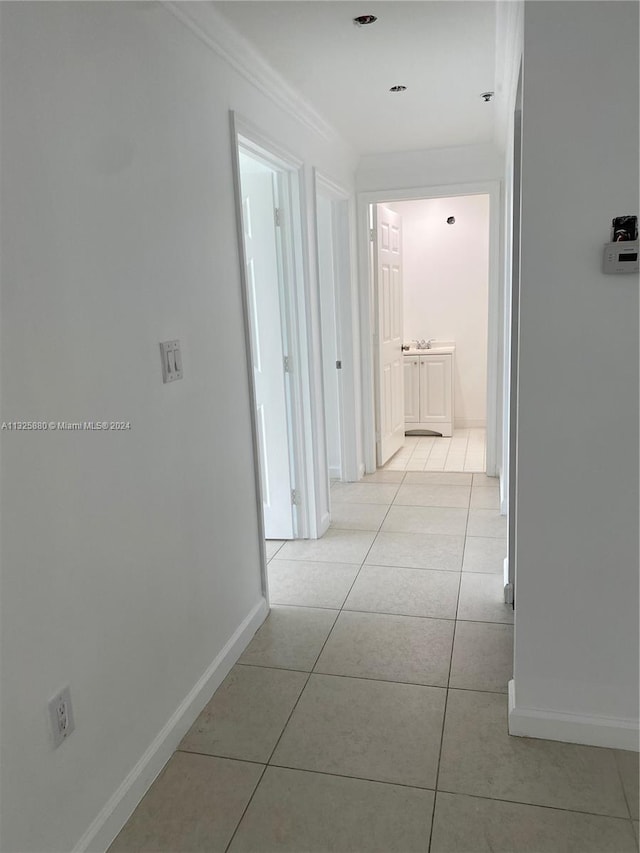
(61,715)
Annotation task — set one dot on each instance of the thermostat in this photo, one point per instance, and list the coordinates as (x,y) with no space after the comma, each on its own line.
(620,257)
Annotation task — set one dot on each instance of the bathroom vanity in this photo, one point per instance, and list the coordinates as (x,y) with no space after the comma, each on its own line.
(428,389)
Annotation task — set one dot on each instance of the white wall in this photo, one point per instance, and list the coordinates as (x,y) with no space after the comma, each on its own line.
(435,167)
(128,559)
(576,630)
(445,289)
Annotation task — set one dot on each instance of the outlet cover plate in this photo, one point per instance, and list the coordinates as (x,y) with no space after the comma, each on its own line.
(61,715)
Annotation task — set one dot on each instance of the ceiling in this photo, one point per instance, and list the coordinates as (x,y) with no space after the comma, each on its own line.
(443,52)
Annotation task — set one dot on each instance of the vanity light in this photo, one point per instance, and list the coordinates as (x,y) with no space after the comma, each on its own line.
(486,96)
(398,89)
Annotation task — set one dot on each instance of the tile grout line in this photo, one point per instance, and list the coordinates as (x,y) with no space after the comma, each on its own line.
(362,678)
(268,763)
(413,787)
(244,811)
(532,805)
(446,697)
(342,609)
(284,728)
(361,567)
(388,612)
(624,789)
(309,674)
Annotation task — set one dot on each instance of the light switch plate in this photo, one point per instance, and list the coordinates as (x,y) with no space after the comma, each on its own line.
(171,361)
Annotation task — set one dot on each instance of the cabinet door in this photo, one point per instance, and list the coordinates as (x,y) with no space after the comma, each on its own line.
(435,388)
(411,389)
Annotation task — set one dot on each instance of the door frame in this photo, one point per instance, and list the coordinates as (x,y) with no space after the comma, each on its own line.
(345,297)
(367,303)
(269,315)
(291,172)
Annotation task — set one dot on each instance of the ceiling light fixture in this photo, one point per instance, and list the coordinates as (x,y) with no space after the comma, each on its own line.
(398,89)
(486,96)
(363,20)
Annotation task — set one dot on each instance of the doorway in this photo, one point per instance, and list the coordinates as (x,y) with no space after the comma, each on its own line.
(261,187)
(441,201)
(337,284)
(282,328)
(445,300)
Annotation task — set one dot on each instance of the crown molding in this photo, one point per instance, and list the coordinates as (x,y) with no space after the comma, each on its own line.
(216,33)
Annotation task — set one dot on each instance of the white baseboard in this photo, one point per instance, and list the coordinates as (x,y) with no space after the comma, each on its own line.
(121,804)
(469,423)
(610,732)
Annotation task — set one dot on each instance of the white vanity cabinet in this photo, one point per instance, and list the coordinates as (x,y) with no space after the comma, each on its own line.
(411,389)
(428,390)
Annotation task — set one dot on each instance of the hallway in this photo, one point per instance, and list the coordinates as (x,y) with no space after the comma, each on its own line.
(369,712)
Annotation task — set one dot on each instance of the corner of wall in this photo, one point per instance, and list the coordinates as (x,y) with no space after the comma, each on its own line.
(124,800)
(609,732)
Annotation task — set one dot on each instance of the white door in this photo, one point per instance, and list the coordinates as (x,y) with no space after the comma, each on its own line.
(264,271)
(387,227)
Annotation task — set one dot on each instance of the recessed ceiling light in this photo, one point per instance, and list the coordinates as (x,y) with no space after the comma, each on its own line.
(363,20)
(398,89)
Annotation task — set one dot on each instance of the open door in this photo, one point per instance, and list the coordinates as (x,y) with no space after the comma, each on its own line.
(264,273)
(387,233)
(510,574)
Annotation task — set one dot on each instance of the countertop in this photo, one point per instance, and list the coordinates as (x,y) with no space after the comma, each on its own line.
(435,349)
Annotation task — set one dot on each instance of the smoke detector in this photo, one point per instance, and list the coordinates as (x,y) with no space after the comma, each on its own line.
(363,20)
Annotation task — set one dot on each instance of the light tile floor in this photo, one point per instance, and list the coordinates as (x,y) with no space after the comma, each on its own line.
(369,713)
(465,450)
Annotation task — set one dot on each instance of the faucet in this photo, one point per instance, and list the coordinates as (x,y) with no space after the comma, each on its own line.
(424,344)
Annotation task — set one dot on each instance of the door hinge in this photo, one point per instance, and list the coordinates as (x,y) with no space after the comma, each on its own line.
(338,365)
(508,593)
(372,235)
(287,364)
(277,216)
(295,497)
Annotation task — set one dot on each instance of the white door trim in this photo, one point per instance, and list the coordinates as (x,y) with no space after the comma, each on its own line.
(346,297)
(364,199)
(309,462)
